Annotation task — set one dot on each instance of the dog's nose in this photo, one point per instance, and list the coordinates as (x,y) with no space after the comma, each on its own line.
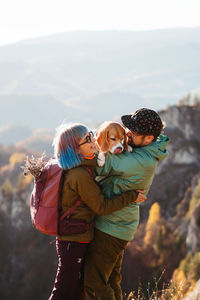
(118,150)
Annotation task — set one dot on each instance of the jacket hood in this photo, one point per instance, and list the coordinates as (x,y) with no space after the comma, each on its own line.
(158,148)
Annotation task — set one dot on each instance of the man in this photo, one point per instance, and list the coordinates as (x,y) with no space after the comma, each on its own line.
(126,171)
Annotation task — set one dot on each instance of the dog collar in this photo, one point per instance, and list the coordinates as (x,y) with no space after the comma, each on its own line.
(89,157)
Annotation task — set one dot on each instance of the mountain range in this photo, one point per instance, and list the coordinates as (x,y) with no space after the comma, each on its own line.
(94,76)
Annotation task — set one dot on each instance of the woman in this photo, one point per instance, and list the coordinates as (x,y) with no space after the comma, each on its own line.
(74,149)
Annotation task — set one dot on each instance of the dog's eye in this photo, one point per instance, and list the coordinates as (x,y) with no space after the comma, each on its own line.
(113,139)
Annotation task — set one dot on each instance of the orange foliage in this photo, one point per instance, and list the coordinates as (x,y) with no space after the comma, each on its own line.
(17,157)
(153,225)
(24,181)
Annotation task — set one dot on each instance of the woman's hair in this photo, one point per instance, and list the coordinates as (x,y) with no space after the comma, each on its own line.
(66,144)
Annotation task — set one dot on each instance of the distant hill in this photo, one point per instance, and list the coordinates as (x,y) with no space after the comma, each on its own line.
(11,134)
(40,141)
(90,76)
(32,111)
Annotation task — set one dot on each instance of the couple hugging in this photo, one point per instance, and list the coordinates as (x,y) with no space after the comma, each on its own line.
(125,172)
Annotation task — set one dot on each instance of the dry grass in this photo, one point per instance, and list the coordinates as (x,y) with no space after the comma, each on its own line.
(169,291)
(34,166)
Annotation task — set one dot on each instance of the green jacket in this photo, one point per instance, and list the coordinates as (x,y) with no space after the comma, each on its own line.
(124,172)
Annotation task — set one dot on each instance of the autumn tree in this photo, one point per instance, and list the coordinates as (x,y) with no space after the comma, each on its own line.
(195,200)
(6,188)
(155,229)
(23,181)
(17,157)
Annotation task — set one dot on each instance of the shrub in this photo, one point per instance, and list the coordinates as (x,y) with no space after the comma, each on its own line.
(190,265)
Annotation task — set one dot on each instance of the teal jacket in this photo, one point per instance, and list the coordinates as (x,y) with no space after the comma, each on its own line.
(128,171)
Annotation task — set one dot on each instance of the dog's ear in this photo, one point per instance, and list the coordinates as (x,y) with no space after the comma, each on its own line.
(102,139)
(125,141)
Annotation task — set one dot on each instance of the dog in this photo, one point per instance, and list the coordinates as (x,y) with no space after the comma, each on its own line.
(111,137)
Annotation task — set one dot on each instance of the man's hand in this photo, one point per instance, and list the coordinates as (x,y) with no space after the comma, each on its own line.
(141,197)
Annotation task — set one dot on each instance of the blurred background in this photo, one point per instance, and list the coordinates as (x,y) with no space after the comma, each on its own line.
(91,61)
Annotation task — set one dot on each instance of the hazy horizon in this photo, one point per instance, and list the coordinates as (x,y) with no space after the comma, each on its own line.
(95,31)
(38,18)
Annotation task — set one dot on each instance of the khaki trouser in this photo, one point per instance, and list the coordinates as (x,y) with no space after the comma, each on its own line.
(103,261)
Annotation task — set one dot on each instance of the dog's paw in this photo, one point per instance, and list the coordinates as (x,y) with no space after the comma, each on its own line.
(101,159)
(130,149)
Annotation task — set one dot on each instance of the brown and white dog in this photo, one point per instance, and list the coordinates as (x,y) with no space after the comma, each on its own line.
(111,137)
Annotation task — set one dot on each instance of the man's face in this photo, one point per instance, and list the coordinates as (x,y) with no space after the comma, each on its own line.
(138,140)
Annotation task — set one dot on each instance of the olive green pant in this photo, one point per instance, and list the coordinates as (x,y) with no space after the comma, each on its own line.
(103,261)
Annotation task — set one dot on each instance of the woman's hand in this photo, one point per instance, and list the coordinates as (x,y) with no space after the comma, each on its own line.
(141,197)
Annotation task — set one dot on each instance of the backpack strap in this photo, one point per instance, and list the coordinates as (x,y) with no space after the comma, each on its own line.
(69,212)
(88,169)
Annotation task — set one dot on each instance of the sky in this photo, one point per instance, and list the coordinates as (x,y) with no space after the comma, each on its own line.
(25,19)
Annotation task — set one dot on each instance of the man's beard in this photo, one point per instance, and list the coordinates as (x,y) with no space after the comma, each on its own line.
(131,143)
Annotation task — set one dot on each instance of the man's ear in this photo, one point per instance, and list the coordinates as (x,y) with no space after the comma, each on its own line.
(148,139)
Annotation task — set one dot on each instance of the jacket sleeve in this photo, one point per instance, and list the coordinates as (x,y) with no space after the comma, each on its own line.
(117,164)
(129,161)
(91,195)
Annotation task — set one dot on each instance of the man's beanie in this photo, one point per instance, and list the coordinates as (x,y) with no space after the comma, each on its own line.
(144,121)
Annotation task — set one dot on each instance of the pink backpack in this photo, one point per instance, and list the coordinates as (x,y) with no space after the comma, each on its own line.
(45,204)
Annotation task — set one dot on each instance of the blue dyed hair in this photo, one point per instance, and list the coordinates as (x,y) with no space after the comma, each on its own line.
(66,145)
